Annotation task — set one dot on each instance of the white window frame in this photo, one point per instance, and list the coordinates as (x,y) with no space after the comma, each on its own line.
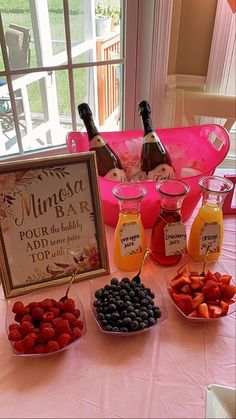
(147,26)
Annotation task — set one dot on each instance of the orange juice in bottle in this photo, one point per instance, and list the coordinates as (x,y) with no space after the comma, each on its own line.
(129,237)
(207,230)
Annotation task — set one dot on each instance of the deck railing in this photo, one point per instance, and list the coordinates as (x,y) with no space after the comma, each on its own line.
(108,76)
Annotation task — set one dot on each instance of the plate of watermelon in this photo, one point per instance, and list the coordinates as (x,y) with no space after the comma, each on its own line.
(201,297)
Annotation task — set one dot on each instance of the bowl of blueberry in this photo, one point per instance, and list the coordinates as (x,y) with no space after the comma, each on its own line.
(127,306)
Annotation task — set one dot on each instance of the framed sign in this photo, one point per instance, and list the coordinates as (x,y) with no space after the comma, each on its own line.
(51,223)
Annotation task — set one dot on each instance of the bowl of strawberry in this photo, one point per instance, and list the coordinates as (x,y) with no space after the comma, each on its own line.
(40,324)
(201,296)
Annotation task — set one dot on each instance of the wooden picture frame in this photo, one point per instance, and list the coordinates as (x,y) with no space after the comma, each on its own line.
(51,222)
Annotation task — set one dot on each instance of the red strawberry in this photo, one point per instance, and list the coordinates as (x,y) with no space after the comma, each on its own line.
(211,290)
(48,333)
(19,346)
(27,318)
(79,323)
(228,291)
(211,276)
(186,289)
(14,335)
(184,302)
(14,326)
(69,305)
(198,300)
(225,279)
(203,310)
(224,307)
(52,346)
(26,327)
(215,310)
(180,282)
(30,340)
(70,317)
(56,311)
(47,304)
(76,333)
(64,339)
(197,285)
(77,313)
(37,313)
(40,348)
(63,327)
(48,316)
(18,307)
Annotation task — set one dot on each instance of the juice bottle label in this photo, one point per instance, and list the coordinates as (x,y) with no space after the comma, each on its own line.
(130,239)
(175,239)
(210,235)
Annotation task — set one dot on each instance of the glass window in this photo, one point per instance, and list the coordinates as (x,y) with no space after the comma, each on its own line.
(55,55)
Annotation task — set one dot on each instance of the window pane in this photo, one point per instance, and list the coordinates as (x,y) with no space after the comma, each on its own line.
(8,141)
(57,26)
(103,96)
(18,33)
(96,31)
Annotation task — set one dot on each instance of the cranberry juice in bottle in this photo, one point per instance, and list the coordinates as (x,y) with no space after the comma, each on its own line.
(168,238)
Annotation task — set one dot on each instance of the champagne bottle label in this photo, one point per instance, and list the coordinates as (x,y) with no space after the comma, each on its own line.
(175,239)
(96,142)
(152,137)
(116,174)
(210,235)
(130,239)
(163,171)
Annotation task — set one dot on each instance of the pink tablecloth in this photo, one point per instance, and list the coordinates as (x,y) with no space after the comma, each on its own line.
(162,373)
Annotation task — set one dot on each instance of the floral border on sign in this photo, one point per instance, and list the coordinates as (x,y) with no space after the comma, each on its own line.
(13,184)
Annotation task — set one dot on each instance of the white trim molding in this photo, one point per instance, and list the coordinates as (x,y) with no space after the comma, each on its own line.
(222,46)
(179,81)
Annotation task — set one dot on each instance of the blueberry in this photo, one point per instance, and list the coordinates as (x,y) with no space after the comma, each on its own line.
(119,323)
(157,312)
(144,302)
(134,325)
(124,329)
(141,294)
(108,316)
(127,321)
(132,294)
(108,328)
(115,329)
(114,281)
(144,315)
(112,307)
(150,313)
(100,316)
(132,315)
(151,321)
(124,313)
(120,303)
(98,293)
(142,325)
(115,315)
